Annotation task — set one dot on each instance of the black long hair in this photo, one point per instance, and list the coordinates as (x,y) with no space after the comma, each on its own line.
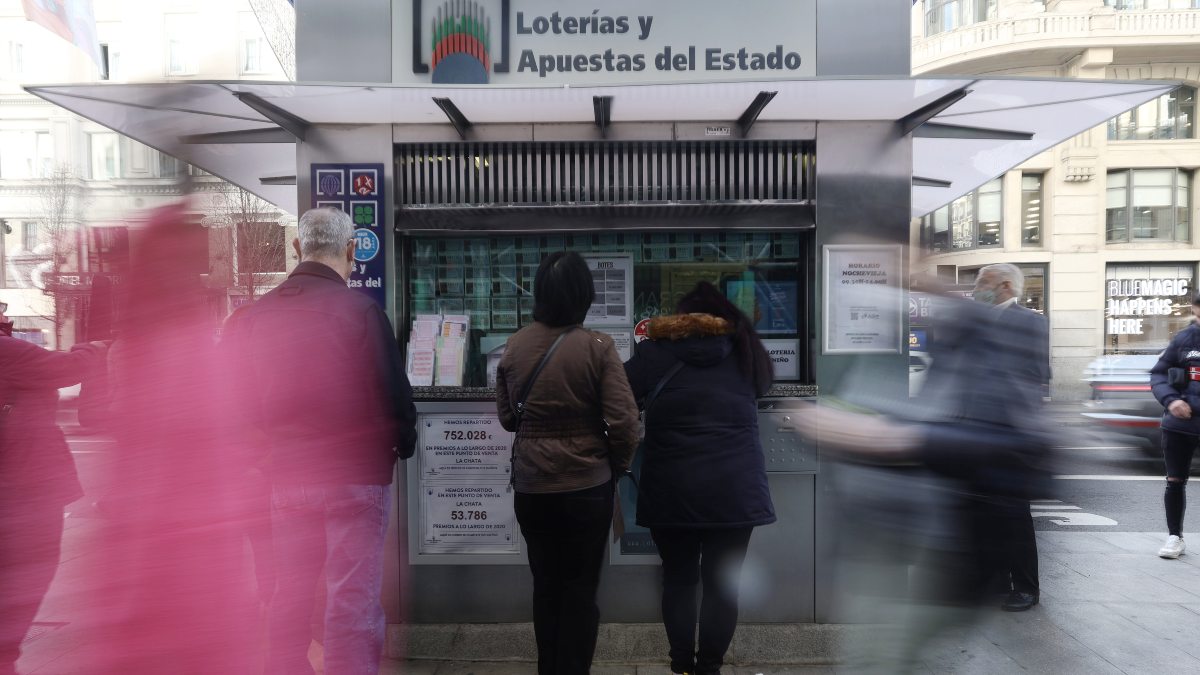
(753,360)
(562,289)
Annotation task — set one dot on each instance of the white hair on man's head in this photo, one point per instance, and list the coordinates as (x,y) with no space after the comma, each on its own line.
(1010,273)
(324,232)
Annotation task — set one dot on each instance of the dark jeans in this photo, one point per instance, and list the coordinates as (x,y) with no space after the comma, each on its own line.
(1177,455)
(565,536)
(690,557)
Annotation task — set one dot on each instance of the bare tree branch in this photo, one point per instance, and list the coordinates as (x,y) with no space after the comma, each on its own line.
(278,21)
(246,242)
(61,202)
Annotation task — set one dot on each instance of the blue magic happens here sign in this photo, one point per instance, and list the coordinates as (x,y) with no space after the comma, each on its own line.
(357,189)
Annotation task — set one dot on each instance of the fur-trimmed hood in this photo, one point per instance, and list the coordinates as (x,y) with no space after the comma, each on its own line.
(699,339)
(681,326)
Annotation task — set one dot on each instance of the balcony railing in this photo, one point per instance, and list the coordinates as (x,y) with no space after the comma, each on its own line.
(1015,32)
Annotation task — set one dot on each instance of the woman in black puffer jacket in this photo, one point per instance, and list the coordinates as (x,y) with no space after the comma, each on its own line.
(704,480)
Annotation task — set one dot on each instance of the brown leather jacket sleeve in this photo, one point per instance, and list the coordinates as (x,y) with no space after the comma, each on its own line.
(617,407)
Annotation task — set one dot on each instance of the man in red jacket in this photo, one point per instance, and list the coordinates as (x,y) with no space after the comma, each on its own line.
(37,475)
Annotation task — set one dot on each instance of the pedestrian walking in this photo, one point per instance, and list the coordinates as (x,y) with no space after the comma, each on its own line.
(562,389)
(37,475)
(703,485)
(324,382)
(1175,381)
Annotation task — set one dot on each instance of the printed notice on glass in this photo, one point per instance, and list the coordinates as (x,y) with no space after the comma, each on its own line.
(623,341)
(468,517)
(473,446)
(612,276)
(863,299)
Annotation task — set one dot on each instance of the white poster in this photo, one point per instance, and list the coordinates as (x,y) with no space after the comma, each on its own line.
(623,341)
(785,355)
(474,446)
(612,277)
(468,517)
(863,301)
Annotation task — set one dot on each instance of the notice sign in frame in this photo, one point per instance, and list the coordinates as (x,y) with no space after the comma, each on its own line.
(434,498)
(612,276)
(863,303)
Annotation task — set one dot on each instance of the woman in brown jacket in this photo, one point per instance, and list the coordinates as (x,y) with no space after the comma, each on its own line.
(577,433)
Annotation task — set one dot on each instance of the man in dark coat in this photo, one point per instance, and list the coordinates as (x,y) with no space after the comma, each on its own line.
(325,386)
(37,475)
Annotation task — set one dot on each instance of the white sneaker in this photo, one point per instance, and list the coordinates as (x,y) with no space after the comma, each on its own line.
(1173,548)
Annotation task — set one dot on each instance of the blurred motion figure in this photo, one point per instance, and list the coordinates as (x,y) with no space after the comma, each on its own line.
(37,475)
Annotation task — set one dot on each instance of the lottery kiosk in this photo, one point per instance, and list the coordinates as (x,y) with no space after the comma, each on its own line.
(777,149)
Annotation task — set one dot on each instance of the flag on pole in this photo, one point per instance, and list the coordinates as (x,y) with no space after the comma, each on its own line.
(72,20)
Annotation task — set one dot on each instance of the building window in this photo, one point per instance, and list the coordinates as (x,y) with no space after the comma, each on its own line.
(1167,117)
(104,156)
(181,48)
(29,235)
(1148,205)
(1145,305)
(1031,209)
(253,50)
(971,221)
(26,154)
(104,62)
(946,15)
(44,147)
(1121,5)
(114,64)
(16,59)
(168,166)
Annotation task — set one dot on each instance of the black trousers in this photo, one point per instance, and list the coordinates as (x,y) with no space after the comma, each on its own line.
(1020,545)
(714,559)
(565,536)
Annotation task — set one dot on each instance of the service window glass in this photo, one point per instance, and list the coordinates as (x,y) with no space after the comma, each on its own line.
(486,282)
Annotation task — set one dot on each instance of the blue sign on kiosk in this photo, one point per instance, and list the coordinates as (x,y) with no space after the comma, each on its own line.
(357,189)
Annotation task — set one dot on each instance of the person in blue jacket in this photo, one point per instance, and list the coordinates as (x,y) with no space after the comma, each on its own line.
(1180,397)
(704,482)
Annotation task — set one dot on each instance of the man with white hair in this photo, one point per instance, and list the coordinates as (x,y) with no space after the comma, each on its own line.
(1026,358)
(325,388)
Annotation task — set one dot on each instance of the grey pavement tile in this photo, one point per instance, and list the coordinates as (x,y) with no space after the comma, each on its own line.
(1175,625)
(485,668)
(653,670)
(1133,542)
(784,670)
(1075,542)
(395,667)
(1118,640)
(965,651)
(616,670)
(1062,583)
(1033,641)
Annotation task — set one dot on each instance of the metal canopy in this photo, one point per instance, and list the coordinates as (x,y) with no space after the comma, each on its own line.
(172,117)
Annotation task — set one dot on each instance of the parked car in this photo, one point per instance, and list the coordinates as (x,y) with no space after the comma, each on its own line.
(1121,400)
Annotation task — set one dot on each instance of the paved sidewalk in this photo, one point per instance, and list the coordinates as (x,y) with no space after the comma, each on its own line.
(1109,605)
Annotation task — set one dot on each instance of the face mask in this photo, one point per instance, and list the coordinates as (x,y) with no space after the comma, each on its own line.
(6,329)
(985,295)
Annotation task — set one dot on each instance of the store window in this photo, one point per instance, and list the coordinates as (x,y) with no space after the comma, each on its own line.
(1148,205)
(104,160)
(1145,304)
(1032,198)
(1034,294)
(972,221)
(947,15)
(483,286)
(1169,116)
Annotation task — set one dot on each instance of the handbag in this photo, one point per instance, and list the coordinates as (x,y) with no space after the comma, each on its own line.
(519,408)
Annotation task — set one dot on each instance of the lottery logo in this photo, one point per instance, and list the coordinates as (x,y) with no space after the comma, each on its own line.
(366,245)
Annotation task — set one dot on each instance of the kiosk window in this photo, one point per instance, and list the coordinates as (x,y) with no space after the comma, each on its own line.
(466,295)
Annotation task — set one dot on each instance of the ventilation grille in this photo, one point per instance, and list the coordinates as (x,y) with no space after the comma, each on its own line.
(603,173)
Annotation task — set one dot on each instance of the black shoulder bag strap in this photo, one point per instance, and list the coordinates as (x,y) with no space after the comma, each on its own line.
(649,401)
(519,407)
